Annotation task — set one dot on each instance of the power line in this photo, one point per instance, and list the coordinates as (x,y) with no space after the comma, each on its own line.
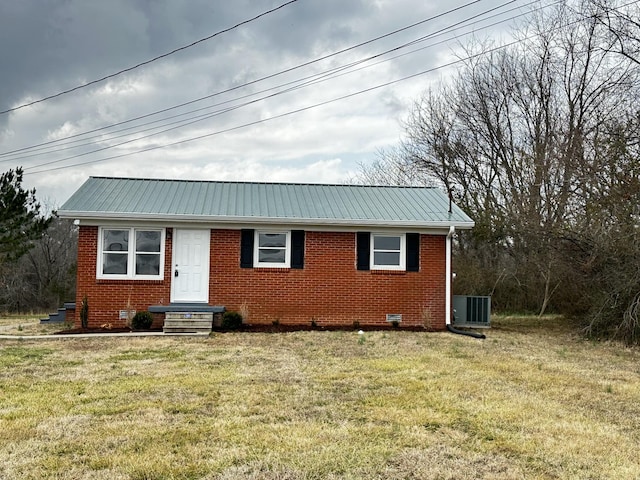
(296,84)
(146,62)
(282,115)
(267,77)
(470,57)
(292,112)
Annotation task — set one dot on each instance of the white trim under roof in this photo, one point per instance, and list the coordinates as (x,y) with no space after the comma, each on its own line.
(91,218)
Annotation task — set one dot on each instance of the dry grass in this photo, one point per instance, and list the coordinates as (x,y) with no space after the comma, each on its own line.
(14,320)
(531,401)
(28,324)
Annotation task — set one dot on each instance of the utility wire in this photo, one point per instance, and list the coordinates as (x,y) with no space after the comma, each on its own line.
(293,85)
(199,118)
(282,115)
(164,55)
(309,107)
(252,82)
(292,112)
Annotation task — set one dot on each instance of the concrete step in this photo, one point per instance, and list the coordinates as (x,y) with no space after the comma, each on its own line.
(186,330)
(62,315)
(57,317)
(188,322)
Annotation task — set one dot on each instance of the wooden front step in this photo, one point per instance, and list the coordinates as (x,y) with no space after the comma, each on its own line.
(188,322)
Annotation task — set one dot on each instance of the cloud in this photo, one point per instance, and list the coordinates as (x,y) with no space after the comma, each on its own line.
(58,44)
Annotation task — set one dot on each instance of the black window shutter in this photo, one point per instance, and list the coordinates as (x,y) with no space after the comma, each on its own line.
(297,248)
(363,248)
(246,248)
(413,252)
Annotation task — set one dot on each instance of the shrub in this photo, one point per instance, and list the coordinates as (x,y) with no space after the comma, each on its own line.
(142,320)
(231,320)
(84,312)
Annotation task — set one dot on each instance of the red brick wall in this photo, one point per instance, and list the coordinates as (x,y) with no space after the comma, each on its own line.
(328,291)
(107,297)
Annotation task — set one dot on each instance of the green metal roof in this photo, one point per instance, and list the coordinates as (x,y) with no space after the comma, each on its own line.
(247,202)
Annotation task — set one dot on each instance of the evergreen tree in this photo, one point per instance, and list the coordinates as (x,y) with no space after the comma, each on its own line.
(20,218)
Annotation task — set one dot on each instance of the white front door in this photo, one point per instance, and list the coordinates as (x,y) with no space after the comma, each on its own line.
(190,273)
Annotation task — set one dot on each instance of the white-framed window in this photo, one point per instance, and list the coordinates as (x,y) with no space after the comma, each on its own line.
(388,251)
(131,253)
(272,249)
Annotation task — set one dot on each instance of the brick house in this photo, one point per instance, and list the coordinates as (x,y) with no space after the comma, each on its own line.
(298,254)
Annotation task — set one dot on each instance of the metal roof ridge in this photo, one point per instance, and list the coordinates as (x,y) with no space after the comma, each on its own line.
(246,182)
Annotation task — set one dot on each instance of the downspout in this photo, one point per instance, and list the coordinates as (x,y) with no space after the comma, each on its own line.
(448,273)
(448,296)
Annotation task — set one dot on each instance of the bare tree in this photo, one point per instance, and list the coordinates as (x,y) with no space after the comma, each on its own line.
(517,138)
(44,277)
(622,23)
(612,236)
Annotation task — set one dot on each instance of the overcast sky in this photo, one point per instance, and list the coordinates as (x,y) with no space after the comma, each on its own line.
(48,46)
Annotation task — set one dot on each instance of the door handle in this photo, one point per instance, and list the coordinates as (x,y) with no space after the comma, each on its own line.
(176,273)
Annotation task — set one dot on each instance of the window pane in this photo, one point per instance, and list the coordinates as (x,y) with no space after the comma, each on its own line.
(147,264)
(273,240)
(115,240)
(271,255)
(147,241)
(114,263)
(386,243)
(386,258)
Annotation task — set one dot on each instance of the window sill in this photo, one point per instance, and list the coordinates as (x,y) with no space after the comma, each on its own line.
(388,272)
(114,281)
(272,269)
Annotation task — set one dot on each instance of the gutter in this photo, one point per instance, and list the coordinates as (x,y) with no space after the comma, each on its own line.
(255,220)
(448,277)
(93,216)
(448,289)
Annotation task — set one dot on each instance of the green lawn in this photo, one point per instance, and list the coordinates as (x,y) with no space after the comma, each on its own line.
(533,400)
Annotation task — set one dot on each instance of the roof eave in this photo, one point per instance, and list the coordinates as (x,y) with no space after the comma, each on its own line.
(229,220)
